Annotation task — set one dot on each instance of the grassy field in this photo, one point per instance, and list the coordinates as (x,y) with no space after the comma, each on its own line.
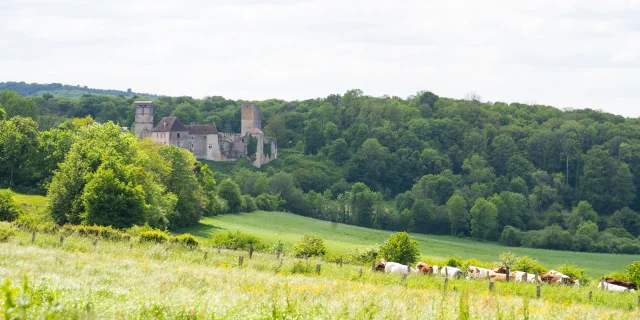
(75,280)
(343,239)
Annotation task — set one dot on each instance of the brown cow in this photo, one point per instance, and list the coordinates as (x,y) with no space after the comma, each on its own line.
(424,268)
(622,283)
(559,279)
(381,265)
(502,277)
(502,270)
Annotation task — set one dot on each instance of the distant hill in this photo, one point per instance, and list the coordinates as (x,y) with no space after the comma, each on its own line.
(64,90)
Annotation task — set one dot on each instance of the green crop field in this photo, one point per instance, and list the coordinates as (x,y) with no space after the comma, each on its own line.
(343,239)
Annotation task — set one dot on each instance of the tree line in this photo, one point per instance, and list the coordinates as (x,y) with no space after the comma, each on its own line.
(521,174)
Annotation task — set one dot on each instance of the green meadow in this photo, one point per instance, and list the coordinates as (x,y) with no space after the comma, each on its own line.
(342,239)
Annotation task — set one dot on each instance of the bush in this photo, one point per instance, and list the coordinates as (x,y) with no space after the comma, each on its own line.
(6,231)
(269,202)
(364,255)
(511,236)
(186,240)
(454,262)
(301,267)
(528,265)
(619,232)
(249,204)
(156,236)
(633,271)
(400,248)
(506,259)
(238,241)
(137,230)
(9,209)
(278,247)
(97,231)
(477,263)
(573,272)
(618,275)
(310,245)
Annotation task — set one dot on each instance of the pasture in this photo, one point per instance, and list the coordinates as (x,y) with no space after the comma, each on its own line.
(146,281)
(342,239)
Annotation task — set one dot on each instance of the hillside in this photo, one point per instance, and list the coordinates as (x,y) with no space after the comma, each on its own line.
(66,91)
(342,239)
(83,279)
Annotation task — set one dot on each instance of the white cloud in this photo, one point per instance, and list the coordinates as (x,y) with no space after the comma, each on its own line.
(563,53)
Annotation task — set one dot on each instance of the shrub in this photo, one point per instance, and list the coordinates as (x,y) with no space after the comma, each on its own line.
(400,248)
(573,272)
(9,209)
(506,259)
(238,241)
(310,245)
(156,236)
(365,254)
(633,271)
(511,236)
(6,231)
(249,204)
(97,231)
(618,275)
(186,240)
(136,230)
(528,265)
(477,263)
(278,247)
(619,232)
(301,267)
(454,262)
(269,202)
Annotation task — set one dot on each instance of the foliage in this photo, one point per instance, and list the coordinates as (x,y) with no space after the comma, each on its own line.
(400,248)
(98,231)
(454,262)
(238,241)
(364,254)
(156,236)
(633,271)
(573,272)
(186,240)
(529,265)
(9,209)
(230,192)
(506,259)
(511,236)
(310,245)
(6,231)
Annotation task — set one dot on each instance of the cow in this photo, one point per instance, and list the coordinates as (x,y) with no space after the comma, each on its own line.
(452,272)
(381,265)
(502,269)
(532,278)
(502,277)
(558,278)
(521,276)
(477,272)
(622,283)
(436,269)
(424,268)
(394,267)
(614,287)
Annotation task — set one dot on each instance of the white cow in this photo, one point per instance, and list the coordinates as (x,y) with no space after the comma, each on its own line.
(436,270)
(613,287)
(478,273)
(451,271)
(394,267)
(531,277)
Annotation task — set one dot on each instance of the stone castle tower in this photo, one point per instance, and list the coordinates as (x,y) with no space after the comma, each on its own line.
(144,118)
(251,118)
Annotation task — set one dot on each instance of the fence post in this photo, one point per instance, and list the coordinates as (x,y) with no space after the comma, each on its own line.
(278,253)
(130,246)
(525,277)
(491,284)
(340,262)
(33,236)
(360,272)
(240,258)
(507,274)
(590,294)
(318,267)
(538,290)
(280,262)
(95,243)
(373,264)
(218,248)
(250,250)
(488,278)
(61,239)
(537,279)
(206,253)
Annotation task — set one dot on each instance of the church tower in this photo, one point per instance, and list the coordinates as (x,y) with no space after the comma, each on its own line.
(144,118)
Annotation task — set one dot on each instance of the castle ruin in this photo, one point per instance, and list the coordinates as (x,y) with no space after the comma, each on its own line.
(204,141)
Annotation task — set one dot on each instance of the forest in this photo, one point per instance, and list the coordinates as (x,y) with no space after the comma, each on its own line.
(523,175)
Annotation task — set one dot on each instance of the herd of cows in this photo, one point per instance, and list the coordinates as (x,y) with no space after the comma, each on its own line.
(501,274)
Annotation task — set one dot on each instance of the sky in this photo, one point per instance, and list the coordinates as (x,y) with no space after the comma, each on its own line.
(568,54)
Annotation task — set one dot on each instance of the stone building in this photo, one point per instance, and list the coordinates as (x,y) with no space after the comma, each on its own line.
(204,141)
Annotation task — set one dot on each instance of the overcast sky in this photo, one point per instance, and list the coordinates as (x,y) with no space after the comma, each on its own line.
(577,54)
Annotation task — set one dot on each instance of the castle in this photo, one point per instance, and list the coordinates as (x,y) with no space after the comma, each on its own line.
(204,141)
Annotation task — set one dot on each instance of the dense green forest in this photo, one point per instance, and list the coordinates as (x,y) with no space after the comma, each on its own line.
(63,90)
(524,175)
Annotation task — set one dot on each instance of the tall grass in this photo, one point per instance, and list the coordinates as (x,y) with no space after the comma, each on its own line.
(149,282)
